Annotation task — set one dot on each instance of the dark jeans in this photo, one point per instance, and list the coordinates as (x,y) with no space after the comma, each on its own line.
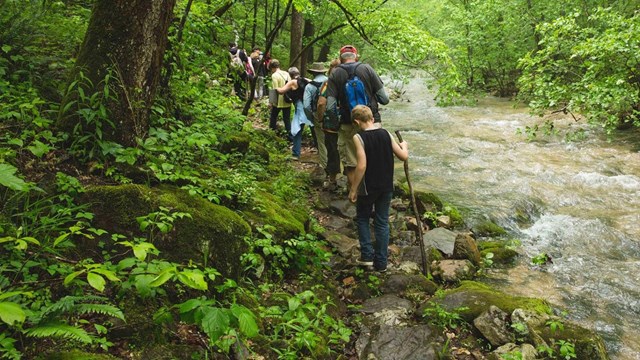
(286,118)
(333,156)
(379,202)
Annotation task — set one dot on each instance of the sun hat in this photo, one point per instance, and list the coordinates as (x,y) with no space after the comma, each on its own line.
(348,49)
(317,67)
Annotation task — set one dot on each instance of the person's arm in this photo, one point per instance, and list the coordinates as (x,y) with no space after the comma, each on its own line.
(291,85)
(382,96)
(400,150)
(378,87)
(361,167)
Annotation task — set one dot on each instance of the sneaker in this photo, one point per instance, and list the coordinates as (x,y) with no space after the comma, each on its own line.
(294,158)
(362,262)
(330,185)
(383,270)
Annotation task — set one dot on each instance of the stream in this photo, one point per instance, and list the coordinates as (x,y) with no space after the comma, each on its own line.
(581,200)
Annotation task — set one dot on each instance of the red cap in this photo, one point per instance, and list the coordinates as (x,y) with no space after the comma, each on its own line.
(348,49)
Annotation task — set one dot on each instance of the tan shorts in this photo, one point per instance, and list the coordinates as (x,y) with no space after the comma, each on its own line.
(346,147)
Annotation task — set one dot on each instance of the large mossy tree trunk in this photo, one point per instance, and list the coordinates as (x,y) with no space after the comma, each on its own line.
(128,38)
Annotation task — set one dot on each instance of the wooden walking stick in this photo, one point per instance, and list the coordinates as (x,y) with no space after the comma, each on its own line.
(425,268)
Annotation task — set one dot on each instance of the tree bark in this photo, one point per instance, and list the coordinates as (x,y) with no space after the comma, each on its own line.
(296,38)
(128,38)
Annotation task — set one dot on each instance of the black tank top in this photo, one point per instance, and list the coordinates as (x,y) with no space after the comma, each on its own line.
(379,174)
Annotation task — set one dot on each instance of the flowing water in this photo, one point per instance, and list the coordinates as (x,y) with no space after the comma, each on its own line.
(581,200)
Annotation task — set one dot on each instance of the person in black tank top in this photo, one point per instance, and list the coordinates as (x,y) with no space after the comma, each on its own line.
(372,188)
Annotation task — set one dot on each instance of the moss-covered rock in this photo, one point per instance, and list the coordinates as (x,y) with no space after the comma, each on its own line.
(212,234)
(501,250)
(288,219)
(427,202)
(588,344)
(465,248)
(476,298)
(500,255)
(77,355)
(238,142)
(488,228)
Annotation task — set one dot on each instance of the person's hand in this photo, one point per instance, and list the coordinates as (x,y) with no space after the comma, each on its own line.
(353,195)
(404,145)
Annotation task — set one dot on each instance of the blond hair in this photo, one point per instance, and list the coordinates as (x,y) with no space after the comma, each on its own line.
(362,113)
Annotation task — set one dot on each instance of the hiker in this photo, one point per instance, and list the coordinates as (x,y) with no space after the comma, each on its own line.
(315,105)
(260,70)
(294,90)
(240,70)
(338,104)
(310,104)
(279,78)
(372,187)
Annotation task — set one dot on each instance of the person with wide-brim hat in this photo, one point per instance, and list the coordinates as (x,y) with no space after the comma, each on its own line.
(329,159)
(317,68)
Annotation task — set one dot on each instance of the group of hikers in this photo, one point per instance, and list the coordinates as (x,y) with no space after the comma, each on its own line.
(341,104)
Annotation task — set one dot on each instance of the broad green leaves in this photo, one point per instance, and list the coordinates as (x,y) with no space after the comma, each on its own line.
(8,179)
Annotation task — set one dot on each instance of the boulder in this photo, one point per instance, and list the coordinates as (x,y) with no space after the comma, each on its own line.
(212,234)
(465,248)
(419,342)
(441,239)
(452,271)
(493,325)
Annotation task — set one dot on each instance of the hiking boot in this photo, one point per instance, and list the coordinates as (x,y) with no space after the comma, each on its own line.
(381,270)
(363,262)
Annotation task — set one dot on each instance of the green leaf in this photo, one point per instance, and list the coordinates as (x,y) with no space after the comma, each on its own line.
(11,181)
(39,148)
(215,323)
(11,313)
(60,239)
(69,278)
(96,281)
(246,320)
(193,279)
(107,273)
(164,276)
(6,48)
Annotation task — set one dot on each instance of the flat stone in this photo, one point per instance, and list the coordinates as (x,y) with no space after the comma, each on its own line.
(442,239)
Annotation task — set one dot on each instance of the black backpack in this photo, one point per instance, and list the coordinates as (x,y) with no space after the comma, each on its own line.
(292,96)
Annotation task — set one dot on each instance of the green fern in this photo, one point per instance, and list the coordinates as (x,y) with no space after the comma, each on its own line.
(72,305)
(102,309)
(59,330)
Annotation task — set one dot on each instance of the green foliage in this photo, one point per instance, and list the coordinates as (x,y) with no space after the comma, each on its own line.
(514,355)
(586,65)
(268,257)
(224,326)
(89,106)
(305,325)
(555,325)
(540,259)
(438,316)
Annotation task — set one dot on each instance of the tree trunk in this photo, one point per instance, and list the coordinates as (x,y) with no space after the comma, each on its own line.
(129,38)
(307,55)
(296,38)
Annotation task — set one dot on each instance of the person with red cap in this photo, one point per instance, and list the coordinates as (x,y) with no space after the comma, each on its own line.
(338,103)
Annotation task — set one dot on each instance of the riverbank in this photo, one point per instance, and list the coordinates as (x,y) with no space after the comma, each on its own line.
(450,313)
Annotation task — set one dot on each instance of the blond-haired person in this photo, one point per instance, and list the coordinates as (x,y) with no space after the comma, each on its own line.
(372,186)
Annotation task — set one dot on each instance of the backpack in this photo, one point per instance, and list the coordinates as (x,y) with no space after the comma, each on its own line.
(236,62)
(354,88)
(294,95)
(321,110)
